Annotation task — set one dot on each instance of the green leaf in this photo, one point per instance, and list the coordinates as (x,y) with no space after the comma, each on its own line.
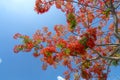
(20,49)
(26,40)
(115,62)
(117,55)
(39,41)
(83,41)
(59,46)
(86,65)
(71,19)
(73,24)
(48,54)
(107,12)
(67,51)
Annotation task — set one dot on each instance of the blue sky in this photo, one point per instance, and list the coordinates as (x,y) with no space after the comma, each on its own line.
(19,16)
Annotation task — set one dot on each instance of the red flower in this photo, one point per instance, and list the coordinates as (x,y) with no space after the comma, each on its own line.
(40,7)
(36,54)
(37,37)
(17,35)
(48,51)
(49,60)
(62,43)
(76,47)
(17,48)
(92,32)
(29,45)
(90,43)
(44,66)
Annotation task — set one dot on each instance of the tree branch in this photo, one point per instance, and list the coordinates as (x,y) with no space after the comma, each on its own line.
(87,5)
(105,4)
(108,66)
(106,57)
(108,44)
(116,50)
(115,20)
(78,3)
(93,59)
(117,6)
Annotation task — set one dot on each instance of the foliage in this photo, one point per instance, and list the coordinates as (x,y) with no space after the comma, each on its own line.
(89,42)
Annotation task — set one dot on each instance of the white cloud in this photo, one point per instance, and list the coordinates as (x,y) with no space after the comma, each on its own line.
(0,60)
(60,78)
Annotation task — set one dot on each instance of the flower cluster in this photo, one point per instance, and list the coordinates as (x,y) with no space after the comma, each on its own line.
(18,48)
(71,21)
(27,43)
(76,48)
(35,54)
(17,35)
(92,32)
(40,7)
(90,43)
(49,60)
(59,29)
(88,39)
(48,51)
(61,43)
(37,37)
(91,37)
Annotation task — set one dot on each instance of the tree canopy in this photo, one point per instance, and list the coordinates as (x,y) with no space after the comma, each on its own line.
(88,44)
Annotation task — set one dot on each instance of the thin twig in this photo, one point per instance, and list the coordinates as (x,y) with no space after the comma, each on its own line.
(106,57)
(105,4)
(115,20)
(116,50)
(86,5)
(93,59)
(108,44)
(117,6)
(108,68)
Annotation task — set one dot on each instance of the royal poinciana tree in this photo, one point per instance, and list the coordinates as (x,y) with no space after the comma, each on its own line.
(87,45)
